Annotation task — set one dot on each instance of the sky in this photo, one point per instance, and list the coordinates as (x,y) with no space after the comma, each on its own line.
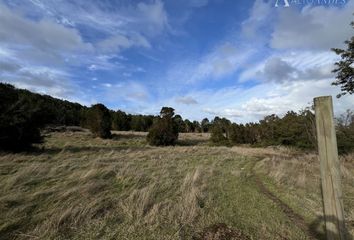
(241,59)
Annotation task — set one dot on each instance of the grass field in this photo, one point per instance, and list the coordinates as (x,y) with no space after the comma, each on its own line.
(80,187)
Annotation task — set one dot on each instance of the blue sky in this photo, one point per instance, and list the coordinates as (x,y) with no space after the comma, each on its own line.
(237,59)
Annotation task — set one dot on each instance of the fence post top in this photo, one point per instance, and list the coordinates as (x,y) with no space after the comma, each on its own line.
(322,98)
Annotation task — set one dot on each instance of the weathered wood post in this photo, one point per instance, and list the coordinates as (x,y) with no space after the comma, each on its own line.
(330,171)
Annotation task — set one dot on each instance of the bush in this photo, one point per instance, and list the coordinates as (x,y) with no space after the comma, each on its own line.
(345,132)
(164,131)
(19,120)
(120,121)
(236,134)
(217,135)
(99,121)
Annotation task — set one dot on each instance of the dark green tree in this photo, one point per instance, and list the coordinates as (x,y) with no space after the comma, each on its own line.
(99,121)
(197,127)
(180,123)
(167,112)
(217,135)
(189,126)
(20,119)
(164,131)
(148,121)
(308,124)
(345,68)
(268,129)
(205,124)
(141,123)
(137,123)
(223,124)
(236,134)
(345,132)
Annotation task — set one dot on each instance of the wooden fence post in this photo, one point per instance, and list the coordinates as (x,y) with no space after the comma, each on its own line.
(330,171)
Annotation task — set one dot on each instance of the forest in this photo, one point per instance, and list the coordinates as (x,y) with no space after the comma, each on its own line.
(24,114)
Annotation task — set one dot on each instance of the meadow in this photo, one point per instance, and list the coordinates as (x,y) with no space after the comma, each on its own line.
(75,186)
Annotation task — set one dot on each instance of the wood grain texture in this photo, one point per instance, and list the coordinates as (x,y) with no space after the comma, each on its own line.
(330,171)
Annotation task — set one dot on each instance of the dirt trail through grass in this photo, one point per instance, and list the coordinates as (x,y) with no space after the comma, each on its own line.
(297,219)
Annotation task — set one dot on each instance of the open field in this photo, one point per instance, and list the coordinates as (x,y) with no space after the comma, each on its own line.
(80,187)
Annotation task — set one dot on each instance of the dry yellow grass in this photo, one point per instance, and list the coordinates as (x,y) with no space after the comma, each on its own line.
(296,180)
(79,187)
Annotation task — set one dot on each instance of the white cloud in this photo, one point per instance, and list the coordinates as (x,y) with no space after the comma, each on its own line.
(251,105)
(139,69)
(220,62)
(130,91)
(115,43)
(99,62)
(9,66)
(198,3)
(292,66)
(55,31)
(294,96)
(305,59)
(39,78)
(154,17)
(137,96)
(43,80)
(276,69)
(108,85)
(261,15)
(92,67)
(44,35)
(186,100)
(251,73)
(113,18)
(119,42)
(5,52)
(316,27)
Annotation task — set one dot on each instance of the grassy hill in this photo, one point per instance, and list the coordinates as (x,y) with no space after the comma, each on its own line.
(80,187)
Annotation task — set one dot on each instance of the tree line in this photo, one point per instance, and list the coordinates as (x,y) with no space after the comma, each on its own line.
(293,129)
(23,114)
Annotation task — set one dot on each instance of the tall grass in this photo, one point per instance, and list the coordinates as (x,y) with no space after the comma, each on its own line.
(80,187)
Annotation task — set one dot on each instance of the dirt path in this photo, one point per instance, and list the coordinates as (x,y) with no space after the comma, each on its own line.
(297,219)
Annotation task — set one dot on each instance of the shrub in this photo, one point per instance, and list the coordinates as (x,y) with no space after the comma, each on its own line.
(345,132)
(236,134)
(120,121)
(99,121)
(217,135)
(345,139)
(164,131)
(19,120)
